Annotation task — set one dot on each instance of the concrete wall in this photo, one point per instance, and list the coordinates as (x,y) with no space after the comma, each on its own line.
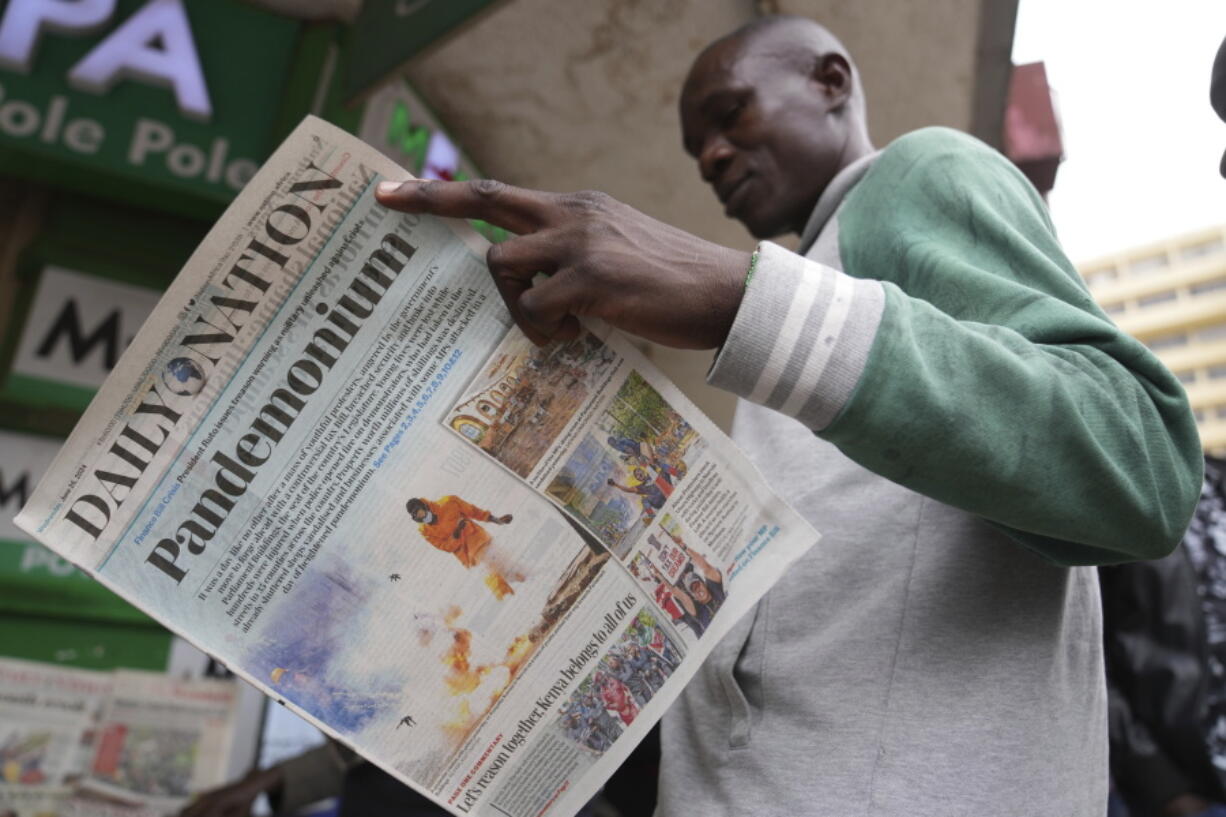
(565,95)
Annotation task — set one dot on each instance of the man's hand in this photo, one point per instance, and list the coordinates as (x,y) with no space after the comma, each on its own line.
(455,534)
(505,519)
(604,260)
(235,800)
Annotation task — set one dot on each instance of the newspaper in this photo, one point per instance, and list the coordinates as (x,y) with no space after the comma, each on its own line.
(47,720)
(162,739)
(331,461)
(136,743)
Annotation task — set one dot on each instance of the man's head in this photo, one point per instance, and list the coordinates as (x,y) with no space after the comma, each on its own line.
(771,113)
(698,588)
(419,510)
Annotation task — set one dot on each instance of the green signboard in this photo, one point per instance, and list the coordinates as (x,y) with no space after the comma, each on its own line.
(85,286)
(33,580)
(49,610)
(132,98)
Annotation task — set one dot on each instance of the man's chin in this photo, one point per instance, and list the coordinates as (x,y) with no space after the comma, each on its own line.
(763,228)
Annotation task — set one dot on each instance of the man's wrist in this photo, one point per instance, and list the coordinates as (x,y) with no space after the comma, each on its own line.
(724,289)
(271,781)
(753,266)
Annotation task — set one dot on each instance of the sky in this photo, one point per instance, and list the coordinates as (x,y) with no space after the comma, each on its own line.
(1142,146)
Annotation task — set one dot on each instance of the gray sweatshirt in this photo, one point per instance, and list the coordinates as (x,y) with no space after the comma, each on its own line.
(920,661)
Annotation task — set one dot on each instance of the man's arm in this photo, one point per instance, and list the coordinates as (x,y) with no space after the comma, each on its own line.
(981,373)
(615,484)
(700,562)
(603,259)
(471,511)
(314,775)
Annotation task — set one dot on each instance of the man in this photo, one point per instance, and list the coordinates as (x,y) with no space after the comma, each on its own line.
(672,600)
(451,525)
(937,393)
(648,492)
(704,584)
(630,449)
(1164,625)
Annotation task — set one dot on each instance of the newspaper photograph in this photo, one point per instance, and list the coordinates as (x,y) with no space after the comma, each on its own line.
(48,719)
(161,739)
(331,461)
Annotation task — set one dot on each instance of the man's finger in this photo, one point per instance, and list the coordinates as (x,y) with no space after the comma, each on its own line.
(551,306)
(513,265)
(522,257)
(512,208)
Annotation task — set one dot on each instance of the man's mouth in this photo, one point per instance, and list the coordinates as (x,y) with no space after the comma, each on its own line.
(730,195)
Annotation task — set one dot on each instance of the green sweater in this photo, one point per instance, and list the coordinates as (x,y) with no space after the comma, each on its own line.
(918,661)
(992,382)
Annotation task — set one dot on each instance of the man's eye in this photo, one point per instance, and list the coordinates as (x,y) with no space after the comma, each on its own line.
(730,116)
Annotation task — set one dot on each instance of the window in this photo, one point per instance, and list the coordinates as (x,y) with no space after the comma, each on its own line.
(1149,264)
(1156,298)
(1212,285)
(1199,414)
(1098,277)
(1220,412)
(1186,375)
(1201,249)
(1169,341)
(1115,309)
(1217,372)
(1216,331)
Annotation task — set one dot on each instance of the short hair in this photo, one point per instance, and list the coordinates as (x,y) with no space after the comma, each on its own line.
(811,40)
(415,505)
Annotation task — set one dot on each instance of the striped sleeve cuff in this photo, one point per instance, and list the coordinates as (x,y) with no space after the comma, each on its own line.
(801,337)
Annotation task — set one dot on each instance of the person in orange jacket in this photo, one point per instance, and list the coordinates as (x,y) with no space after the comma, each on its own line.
(451,525)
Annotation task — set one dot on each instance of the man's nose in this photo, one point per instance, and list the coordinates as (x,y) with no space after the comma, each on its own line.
(715,157)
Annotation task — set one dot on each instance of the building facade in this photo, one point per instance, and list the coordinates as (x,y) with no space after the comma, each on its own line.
(1171,295)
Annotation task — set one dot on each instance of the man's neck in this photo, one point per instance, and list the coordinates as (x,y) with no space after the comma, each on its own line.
(857,146)
(831,197)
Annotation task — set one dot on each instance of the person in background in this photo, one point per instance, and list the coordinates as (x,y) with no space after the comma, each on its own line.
(1164,626)
(1217,92)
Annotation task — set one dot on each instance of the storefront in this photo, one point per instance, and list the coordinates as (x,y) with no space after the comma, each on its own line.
(126,126)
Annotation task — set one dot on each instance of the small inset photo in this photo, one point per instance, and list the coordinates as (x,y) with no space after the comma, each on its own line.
(682,581)
(519,404)
(625,469)
(626,678)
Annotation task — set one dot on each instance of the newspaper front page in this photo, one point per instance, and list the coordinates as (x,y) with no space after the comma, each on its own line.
(48,718)
(330,460)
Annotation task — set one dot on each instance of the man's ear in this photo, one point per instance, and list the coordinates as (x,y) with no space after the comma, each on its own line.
(833,75)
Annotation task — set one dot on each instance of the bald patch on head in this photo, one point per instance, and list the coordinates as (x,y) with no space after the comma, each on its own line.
(796,43)
(798,35)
